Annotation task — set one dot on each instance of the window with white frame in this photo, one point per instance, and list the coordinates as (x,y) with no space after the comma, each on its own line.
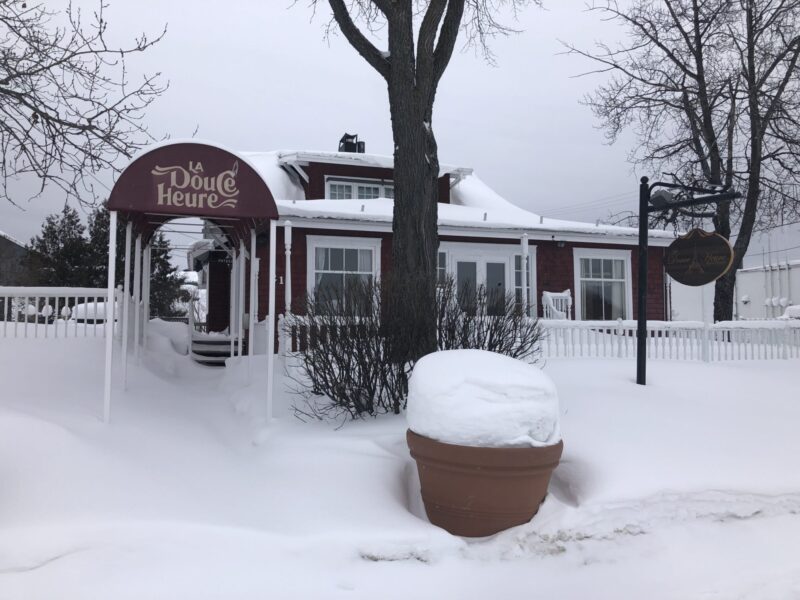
(361,189)
(368,192)
(441,268)
(603,286)
(340,191)
(336,264)
(518,281)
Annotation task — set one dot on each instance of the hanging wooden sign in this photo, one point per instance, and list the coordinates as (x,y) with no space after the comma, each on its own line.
(698,258)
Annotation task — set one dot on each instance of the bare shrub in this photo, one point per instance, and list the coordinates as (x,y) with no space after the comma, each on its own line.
(344,367)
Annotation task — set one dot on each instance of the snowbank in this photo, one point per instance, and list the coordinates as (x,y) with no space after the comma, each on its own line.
(479,398)
(792,312)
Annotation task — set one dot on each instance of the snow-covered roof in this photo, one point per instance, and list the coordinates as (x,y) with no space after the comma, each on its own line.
(11,239)
(382,161)
(473,205)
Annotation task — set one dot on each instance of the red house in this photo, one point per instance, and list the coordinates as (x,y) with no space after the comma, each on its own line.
(332,217)
(338,206)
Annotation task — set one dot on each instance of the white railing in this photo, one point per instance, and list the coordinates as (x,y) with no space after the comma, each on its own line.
(671,340)
(53,311)
(676,340)
(557,305)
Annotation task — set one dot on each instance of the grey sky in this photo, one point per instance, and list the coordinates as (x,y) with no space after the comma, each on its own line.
(259,75)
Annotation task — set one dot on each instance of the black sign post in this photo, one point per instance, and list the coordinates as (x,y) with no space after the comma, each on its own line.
(647,206)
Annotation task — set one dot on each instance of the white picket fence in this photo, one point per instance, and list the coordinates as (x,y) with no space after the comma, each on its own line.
(676,340)
(52,311)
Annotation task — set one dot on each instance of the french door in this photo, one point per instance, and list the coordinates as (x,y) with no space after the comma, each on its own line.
(490,274)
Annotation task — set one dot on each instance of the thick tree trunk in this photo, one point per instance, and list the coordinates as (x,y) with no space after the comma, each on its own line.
(723,296)
(411,302)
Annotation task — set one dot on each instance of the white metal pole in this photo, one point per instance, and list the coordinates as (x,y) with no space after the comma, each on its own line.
(287,243)
(110,313)
(146,292)
(232,312)
(240,305)
(137,294)
(126,299)
(271,321)
(525,269)
(253,295)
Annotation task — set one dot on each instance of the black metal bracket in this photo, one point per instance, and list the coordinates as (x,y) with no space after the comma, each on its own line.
(712,196)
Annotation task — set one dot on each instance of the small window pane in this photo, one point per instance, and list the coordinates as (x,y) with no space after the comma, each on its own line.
(619,269)
(608,269)
(586,268)
(518,262)
(597,267)
(336,259)
(321,259)
(388,191)
(365,261)
(351,260)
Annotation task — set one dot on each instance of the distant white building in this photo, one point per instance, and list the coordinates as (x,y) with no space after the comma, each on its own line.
(766,291)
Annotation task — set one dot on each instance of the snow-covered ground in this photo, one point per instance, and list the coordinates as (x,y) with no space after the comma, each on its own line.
(688,488)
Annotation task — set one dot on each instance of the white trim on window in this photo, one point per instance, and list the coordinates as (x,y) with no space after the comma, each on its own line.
(354,182)
(625,255)
(334,241)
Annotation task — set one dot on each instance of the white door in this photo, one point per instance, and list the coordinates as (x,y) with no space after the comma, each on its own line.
(472,272)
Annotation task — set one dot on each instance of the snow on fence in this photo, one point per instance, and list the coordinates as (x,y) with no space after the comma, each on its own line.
(677,340)
(52,311)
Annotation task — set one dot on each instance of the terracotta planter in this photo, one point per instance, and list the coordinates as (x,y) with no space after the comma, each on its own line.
(475,492)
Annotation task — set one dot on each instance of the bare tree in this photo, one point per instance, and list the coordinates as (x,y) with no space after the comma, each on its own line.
(712,89)
(67,108)
(421,36)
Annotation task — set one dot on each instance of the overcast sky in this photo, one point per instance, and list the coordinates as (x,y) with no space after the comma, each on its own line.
(260,75)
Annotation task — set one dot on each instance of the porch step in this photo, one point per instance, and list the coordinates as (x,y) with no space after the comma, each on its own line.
(213,351)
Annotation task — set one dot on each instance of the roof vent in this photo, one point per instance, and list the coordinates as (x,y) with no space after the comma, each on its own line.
(350,143)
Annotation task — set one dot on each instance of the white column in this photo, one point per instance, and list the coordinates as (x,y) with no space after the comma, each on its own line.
(240,295)
(137,294)
(287,243)
(231,320)
(253,295)
(110,313)
(126,300)
(146,292)
(525,268)
(271,321)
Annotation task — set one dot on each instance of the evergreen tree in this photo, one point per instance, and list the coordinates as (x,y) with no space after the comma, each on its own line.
(59,253)
(98,248)
(165,285)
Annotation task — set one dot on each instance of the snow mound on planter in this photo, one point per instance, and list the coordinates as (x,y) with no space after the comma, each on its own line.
(480,398)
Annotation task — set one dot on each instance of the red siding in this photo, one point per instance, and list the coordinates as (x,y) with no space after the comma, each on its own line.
(555,273)
(554,270)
